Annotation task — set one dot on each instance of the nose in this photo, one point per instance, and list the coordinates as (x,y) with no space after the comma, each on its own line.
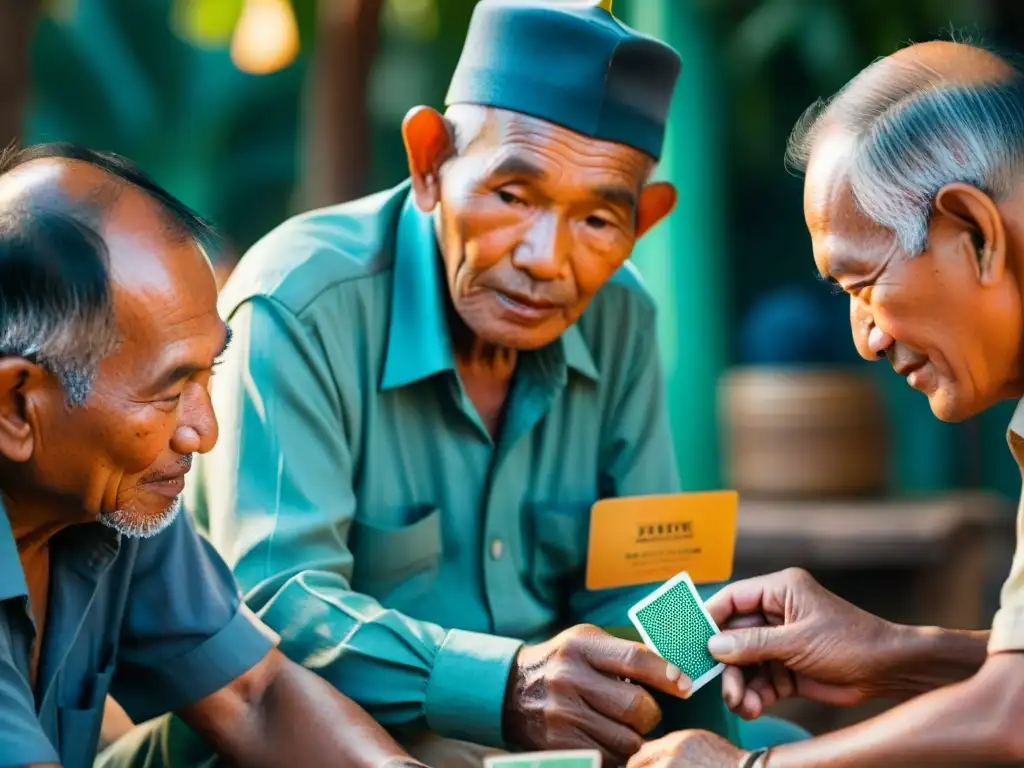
(541,252)
(879,341)
(870,340)
(197,425)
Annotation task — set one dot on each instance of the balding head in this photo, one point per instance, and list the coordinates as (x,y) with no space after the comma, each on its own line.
(59,203)
(929,115)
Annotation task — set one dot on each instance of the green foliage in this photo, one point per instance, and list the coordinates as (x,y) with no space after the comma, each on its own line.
(114,75)
(210,23)
(206,23)
(781,55)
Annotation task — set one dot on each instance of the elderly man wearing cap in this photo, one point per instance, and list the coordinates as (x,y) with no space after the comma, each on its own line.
(913,197)
(430,387)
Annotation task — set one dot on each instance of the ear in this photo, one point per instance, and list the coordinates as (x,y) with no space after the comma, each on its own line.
(982,235)
(428,143)
(21,384)
(655,203)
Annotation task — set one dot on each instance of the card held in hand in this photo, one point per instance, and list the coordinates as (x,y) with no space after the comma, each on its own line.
(673,622)
(571,758)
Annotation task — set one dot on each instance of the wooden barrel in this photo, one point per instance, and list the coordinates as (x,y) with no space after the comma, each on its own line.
(801,433)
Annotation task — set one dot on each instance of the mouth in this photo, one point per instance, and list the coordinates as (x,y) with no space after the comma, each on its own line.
(909,368)
(170,487)
(914,373)
(526,308)
(170,484)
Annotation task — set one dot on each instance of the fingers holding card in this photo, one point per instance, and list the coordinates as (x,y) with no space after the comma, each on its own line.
(674,623)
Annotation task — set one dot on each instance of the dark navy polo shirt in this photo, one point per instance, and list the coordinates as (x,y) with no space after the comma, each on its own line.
(157,623)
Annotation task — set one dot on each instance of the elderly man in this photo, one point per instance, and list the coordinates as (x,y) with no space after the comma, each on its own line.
(108,335)
(914,202)
(430,387)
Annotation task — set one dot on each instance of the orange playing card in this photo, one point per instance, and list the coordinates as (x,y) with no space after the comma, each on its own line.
(646,539)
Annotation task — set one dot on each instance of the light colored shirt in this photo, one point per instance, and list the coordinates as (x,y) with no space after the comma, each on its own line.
(1008,624)
(158,623)
(398,550)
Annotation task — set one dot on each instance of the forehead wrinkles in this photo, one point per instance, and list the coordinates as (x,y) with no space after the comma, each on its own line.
(556,145)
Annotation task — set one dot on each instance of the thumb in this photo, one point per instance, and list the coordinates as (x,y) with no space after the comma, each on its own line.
(742,647)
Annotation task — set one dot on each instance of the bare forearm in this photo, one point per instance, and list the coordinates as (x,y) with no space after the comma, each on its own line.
(304,719)
(283,714)
(926,658)
(968,723)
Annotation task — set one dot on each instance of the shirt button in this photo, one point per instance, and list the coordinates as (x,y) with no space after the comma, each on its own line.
(497,547)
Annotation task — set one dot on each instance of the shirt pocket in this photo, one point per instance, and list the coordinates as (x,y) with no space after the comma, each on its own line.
(397,564)
(80,721)
(559,556)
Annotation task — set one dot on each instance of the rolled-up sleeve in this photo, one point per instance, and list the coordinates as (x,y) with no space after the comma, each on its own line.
(278,496)
(22,741)
(186,632)
(1008,624)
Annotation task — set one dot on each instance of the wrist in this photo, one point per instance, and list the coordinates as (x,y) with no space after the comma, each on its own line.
(921,659)
(757,758)
(510,710)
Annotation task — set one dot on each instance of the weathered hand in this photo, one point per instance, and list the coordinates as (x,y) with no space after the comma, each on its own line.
(786,635)
(569,693)
(689,749)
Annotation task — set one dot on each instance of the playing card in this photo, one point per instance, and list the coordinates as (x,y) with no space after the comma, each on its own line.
(672,620)
(573,758)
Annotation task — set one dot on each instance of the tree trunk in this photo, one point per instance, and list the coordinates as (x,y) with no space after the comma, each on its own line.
(337,143)
(17,23)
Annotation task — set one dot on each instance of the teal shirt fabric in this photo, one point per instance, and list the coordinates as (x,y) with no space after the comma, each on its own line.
(158,623)
(397,549)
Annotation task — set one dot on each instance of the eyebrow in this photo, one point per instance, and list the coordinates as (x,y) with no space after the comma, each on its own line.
(186,370)
(841,262)
(516,165)
(520,167)
(618,196)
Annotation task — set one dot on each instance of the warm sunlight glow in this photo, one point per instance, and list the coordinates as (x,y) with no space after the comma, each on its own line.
(266,37)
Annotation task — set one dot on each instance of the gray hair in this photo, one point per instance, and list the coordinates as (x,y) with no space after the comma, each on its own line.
(57,309)
(915,130)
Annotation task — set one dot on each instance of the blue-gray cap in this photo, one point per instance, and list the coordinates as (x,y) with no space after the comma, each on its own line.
(572,64)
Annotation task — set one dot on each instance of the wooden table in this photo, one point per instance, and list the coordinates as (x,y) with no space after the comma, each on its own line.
(936,561)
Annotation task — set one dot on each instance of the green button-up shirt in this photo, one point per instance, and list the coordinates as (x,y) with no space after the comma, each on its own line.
(376,526)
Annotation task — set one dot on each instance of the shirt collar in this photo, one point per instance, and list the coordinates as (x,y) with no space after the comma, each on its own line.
(1015,434)
(1017,420)
(94,545)
(419,344)
(12,578)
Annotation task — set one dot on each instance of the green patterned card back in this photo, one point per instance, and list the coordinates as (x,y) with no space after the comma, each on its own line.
(576,758)
(673,622)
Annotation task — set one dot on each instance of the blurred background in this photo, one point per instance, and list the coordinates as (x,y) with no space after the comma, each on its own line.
(252,110)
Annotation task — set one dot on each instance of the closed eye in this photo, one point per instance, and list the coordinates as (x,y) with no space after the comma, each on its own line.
(508,198)
(831,282)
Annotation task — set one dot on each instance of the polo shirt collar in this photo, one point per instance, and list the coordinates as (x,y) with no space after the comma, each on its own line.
(419,342)
(1015,435)
(1017,420)
(12,578)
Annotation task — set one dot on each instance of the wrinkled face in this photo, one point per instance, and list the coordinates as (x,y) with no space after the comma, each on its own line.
(954,337)
(533,220)
(123,455)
